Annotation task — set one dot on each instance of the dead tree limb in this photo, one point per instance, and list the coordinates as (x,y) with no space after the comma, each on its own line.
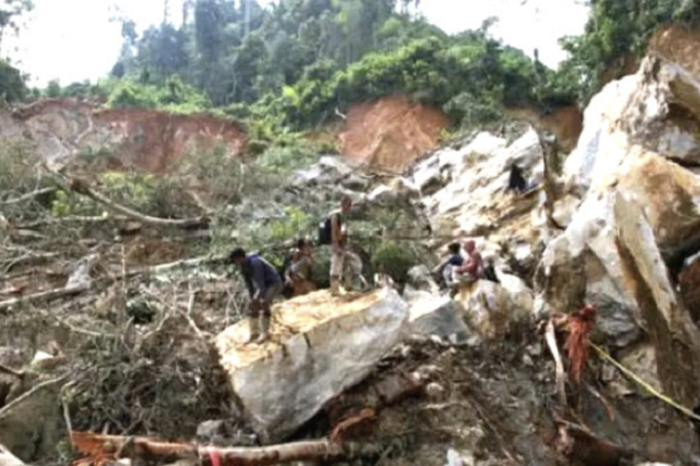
(551,339)
(10,371)
(112,447)
(42,386)
(28,196)
(42,296)
(83,188)
(29,258)
(384,392)
(58,293)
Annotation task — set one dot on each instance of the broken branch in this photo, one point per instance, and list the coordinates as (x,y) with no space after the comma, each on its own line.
(28,196)
(551,339)
(9,406)
(106,447)
(83,188)
(165,222)
(43,296)
(10,371)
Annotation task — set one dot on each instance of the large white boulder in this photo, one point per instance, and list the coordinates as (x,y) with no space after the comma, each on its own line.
(636,140)
(435,315)
(657,109)
(464,193)
(491,310)
(320,346)
(609,257)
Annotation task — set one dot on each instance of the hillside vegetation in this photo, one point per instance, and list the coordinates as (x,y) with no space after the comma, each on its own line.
(297,63)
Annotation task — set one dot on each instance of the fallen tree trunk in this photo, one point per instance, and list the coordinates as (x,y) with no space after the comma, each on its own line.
(83,188)
(355,412)
(64,292)
(102,448)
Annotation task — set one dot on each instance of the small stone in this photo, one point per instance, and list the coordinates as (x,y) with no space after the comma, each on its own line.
(209,430)
(435,391)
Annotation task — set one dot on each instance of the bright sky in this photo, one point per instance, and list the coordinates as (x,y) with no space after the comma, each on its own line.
(74,40)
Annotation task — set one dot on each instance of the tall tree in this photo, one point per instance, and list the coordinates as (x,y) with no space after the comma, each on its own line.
(10,12)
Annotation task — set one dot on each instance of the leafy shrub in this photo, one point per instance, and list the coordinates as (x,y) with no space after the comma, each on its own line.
(134,189)
(67,203)
(174,96)
(393,260)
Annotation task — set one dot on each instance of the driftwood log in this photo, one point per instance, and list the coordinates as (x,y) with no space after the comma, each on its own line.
(103,449)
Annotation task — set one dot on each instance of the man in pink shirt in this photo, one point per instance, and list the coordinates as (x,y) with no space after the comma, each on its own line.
(473,266)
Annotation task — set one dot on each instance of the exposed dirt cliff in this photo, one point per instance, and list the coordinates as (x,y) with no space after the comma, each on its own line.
(148,139)
(391,133)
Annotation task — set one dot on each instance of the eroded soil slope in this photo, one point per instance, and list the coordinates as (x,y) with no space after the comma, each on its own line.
(391,133)
(149,139)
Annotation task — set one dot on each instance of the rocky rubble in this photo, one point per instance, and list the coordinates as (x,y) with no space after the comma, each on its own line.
(629,214)
(463,193)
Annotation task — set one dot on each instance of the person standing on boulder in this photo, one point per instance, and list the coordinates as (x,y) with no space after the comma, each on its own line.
(298,274)
(264,284)
(341,255)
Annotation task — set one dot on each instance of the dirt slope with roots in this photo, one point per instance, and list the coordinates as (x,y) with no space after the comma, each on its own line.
(391,133)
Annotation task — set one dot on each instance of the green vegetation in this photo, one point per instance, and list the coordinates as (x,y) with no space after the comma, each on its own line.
(291,66)
(395,260)
(617,29)
(12,83)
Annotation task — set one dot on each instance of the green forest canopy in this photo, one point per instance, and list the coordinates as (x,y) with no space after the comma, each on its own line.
(296,62)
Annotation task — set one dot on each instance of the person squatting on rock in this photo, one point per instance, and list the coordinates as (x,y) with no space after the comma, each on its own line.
(472,269)
(264,284)
(298,274)
(516,180)
(444,270)
(342,257)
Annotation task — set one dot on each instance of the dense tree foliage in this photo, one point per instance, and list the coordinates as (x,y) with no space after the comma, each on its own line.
(12,83)
(298,61)
(295,63)
(10,12)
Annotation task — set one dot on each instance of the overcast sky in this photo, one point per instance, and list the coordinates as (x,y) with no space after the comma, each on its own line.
(74,40)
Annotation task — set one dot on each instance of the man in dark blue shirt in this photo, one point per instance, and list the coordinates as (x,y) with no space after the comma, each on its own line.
(444,269)
(264,284)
